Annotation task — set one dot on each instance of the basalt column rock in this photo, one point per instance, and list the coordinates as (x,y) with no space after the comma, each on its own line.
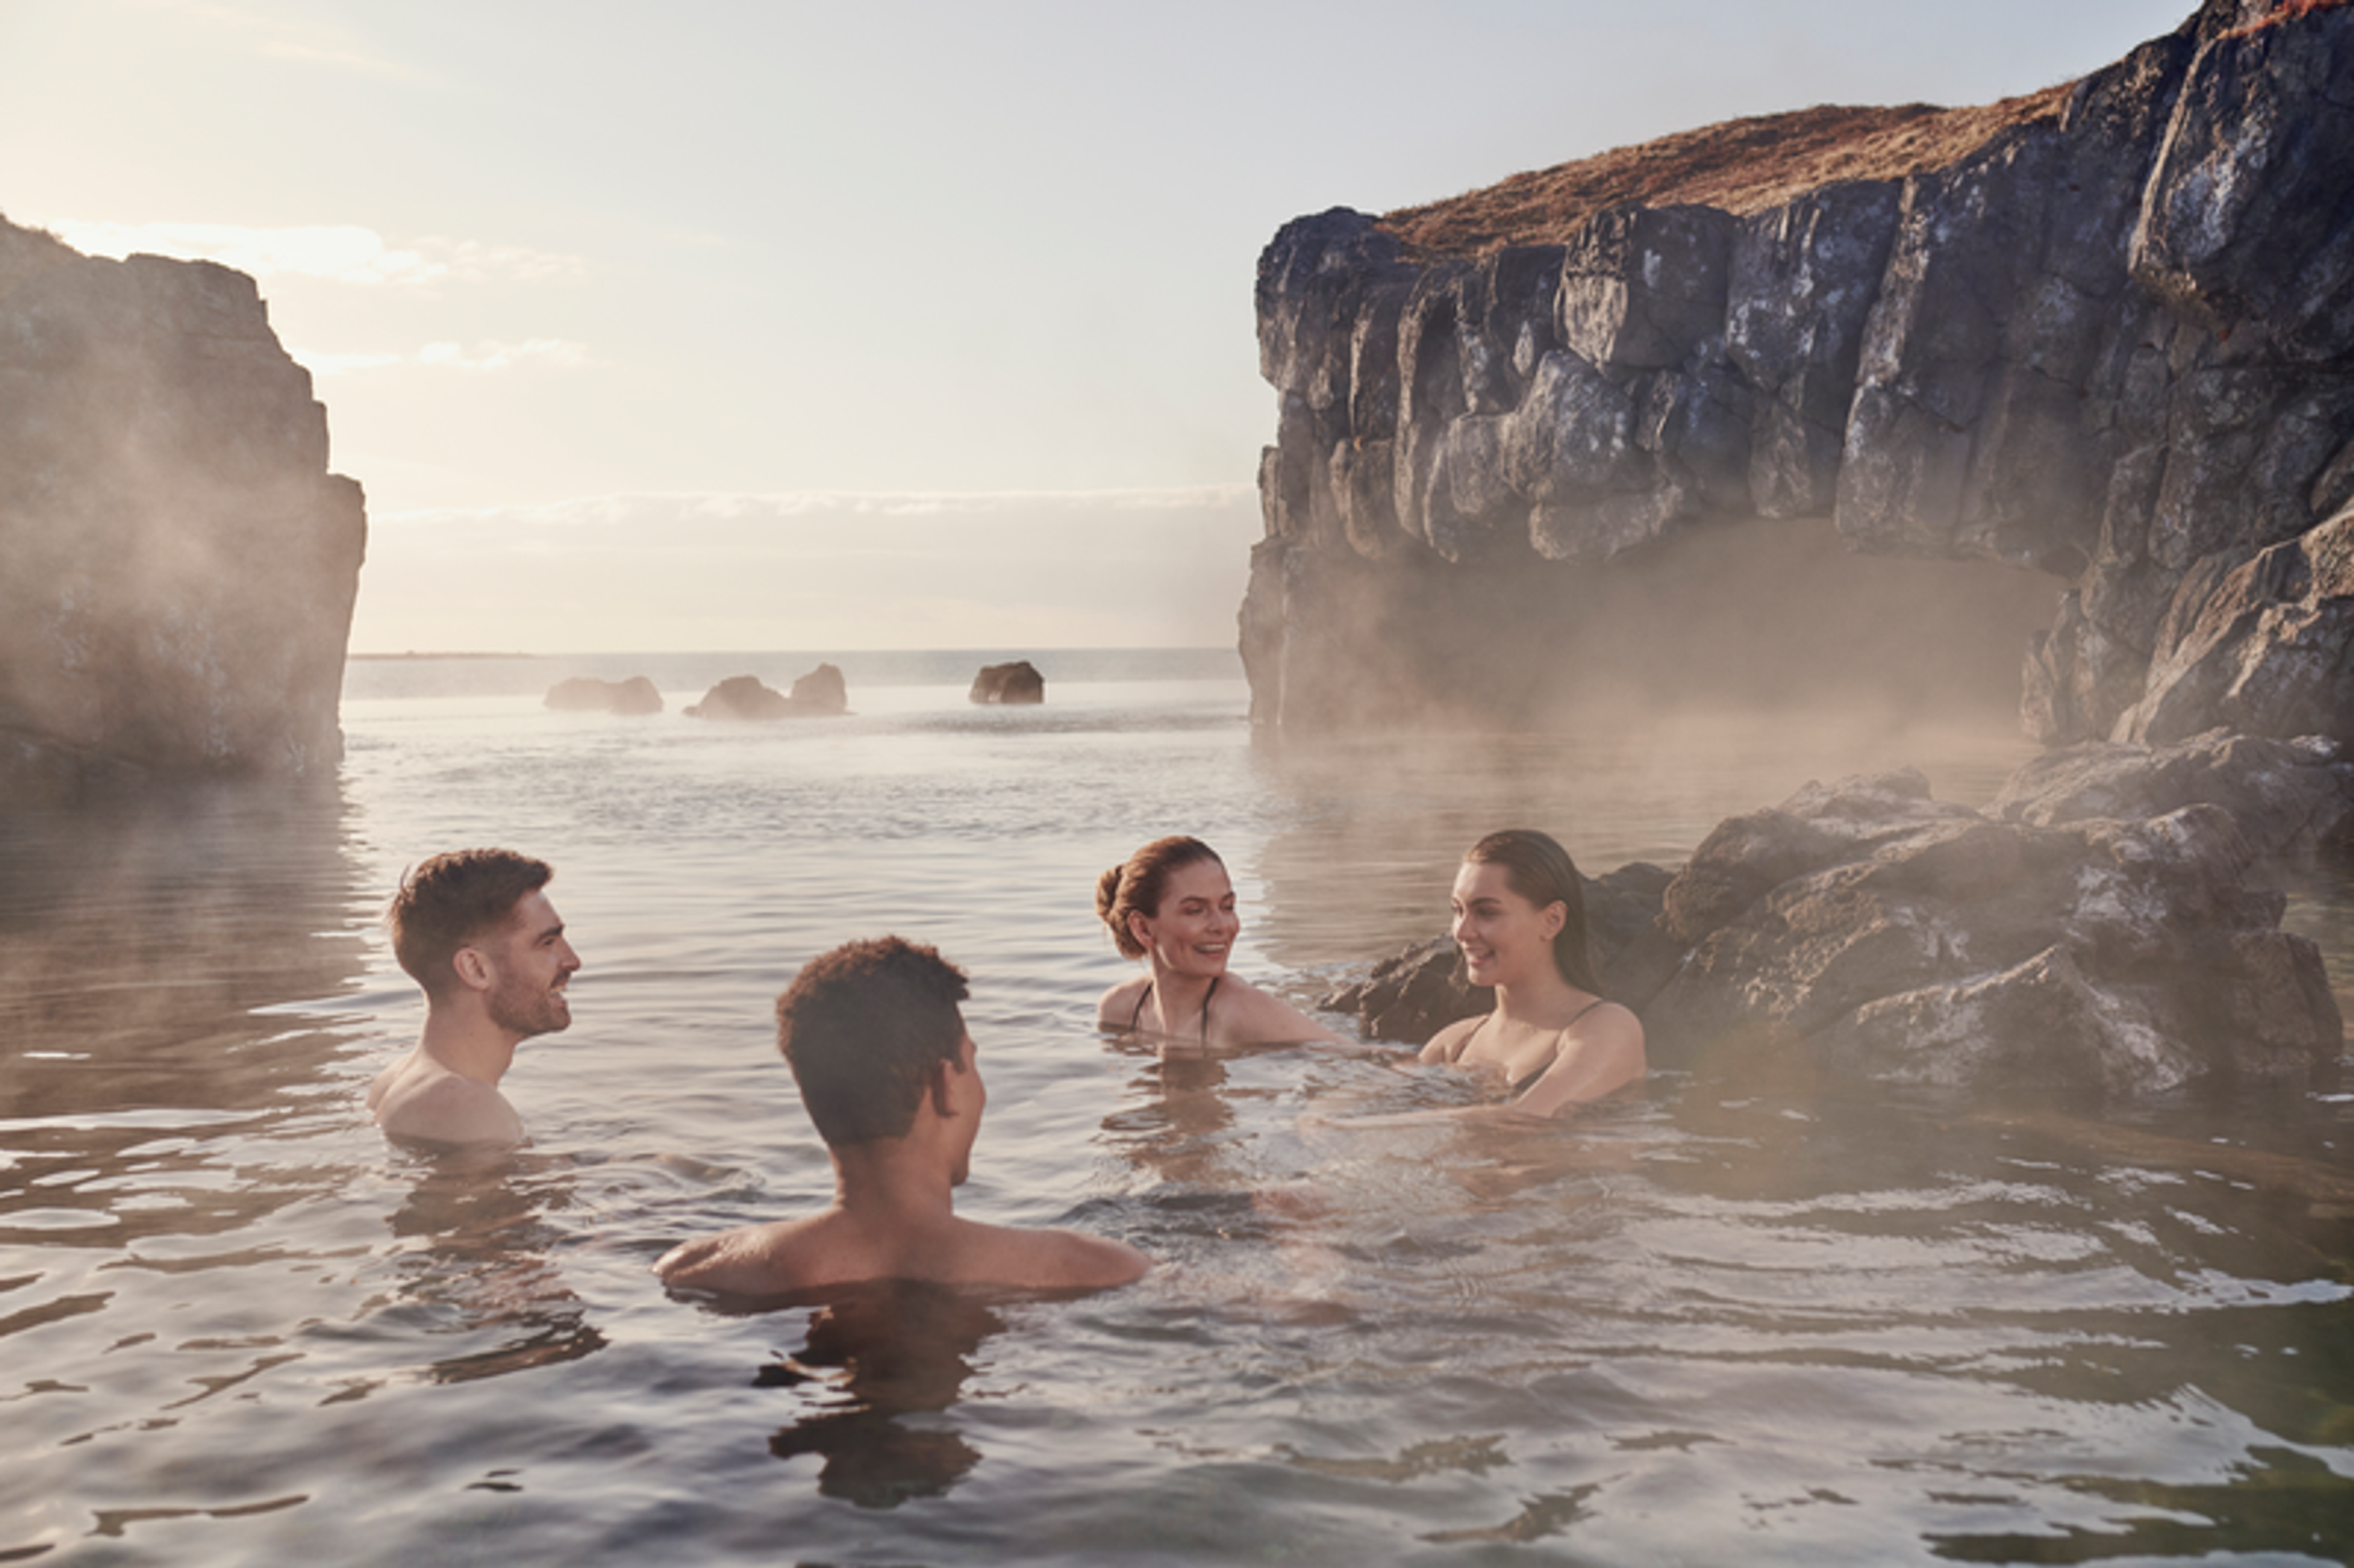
(2099,338)
(177,567)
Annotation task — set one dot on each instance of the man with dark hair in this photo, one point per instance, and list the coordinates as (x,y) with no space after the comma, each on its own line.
(886,1071)
(473,927)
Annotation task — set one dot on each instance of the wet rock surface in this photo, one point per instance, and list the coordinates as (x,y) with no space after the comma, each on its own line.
(2291,799)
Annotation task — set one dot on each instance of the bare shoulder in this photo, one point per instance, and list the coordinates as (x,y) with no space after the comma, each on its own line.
(1061,1260)
(820,1251)
(1601,1056)
(1258,1017)
(1611,1025)
(431,1105)
(750,1260)
(1447,1044)
(1118,1006)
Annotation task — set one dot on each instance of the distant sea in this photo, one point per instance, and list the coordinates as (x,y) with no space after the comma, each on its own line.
(490,673)
(1759,1317)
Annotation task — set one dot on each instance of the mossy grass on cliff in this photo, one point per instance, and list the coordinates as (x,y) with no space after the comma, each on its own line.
(1740,166)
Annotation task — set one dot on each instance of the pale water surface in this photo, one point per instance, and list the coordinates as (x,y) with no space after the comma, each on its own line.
(1759,1318)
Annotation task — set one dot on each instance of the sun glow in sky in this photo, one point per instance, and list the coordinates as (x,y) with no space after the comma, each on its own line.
(909,323)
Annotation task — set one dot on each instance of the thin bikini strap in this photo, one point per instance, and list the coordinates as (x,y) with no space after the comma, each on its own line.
(1529,1082)
(1137,1017)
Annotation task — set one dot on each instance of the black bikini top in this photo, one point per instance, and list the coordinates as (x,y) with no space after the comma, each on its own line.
(1137,1017)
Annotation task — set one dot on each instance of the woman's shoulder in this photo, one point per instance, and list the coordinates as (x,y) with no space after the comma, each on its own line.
(1607,1020)
(1117,1005)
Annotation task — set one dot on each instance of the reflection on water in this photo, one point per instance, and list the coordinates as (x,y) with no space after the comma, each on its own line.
(144,942)
(168,971)
(874,1356)
(471,1262)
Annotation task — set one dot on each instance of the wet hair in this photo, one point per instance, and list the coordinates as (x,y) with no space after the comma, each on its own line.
(1540,869)
(1137,886)
(447,901)
(864,1029)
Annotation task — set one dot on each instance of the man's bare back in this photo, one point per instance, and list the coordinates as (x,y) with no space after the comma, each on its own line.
(892,1080)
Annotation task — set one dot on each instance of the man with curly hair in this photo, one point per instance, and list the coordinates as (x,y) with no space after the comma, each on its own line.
(886,1070)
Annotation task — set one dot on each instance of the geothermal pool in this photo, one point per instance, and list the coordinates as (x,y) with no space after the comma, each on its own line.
(1756,1318)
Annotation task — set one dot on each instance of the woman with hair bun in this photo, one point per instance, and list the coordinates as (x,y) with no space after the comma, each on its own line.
(1519,919)
(1172,904)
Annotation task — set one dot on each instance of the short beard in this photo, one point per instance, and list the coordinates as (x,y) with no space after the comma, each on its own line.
(526,1013)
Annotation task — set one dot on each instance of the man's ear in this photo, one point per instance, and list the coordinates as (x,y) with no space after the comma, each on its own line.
(473,968)
(940,1071)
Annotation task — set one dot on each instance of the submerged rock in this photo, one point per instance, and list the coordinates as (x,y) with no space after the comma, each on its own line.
(821,693)
(1018,682)
(586,693)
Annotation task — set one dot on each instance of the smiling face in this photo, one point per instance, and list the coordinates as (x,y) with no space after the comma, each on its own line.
(1195,929)
(1506,939)
(529,963)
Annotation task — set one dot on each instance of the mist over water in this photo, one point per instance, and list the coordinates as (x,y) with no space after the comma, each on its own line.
(1758,1317)
(1716,622)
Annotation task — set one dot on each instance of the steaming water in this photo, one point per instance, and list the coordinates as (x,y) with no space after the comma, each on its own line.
(1758,1318)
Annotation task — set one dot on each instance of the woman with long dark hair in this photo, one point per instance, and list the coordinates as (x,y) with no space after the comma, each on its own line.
(1552,1037)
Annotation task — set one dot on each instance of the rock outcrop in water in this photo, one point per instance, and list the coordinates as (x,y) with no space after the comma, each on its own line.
(1018,682)
(2096,930)
(177,567)
(2104,334)
(821,693)
(587,694)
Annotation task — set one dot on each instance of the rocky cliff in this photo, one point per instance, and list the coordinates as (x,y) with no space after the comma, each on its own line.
(177,567)
(2086,358)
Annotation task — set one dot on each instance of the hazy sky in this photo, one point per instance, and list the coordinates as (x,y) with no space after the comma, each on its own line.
(901,323)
